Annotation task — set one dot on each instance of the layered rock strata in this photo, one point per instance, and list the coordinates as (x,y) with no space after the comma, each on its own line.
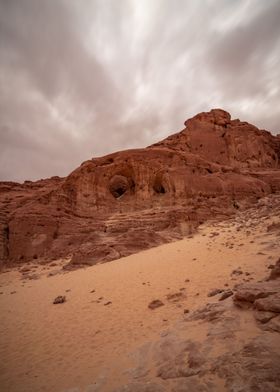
(131,200)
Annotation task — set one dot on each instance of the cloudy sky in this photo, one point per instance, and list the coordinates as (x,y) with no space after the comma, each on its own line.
(83,78)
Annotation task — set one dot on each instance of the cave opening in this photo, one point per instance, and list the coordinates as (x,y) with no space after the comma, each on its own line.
(159,188)
(118,192)
(6,233)
(120,185)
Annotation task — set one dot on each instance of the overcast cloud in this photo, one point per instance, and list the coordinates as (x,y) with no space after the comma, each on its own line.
(85,78)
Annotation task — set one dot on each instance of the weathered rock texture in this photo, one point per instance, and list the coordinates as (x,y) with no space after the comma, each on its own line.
(264,298)
(217,347)
(131,200)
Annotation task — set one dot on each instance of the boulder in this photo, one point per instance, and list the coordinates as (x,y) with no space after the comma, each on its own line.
(269,304)
(249,292)
(156,303)
(59,300)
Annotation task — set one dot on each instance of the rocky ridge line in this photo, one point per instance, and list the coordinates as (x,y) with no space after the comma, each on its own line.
(131,200)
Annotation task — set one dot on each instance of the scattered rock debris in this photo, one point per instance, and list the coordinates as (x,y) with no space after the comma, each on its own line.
(156,303)
(59,300)
(214,292)
(226,294)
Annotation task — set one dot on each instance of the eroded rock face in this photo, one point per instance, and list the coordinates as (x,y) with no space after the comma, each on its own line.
(131,200)
(228,350)
(256,367)
(250,292)
(264,298)
(216,358)
(275,273)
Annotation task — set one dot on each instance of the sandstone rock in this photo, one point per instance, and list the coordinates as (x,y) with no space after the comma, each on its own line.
(275,273)
(216,358)
(269,304)
(273,325)
(171,370)
(175,364)
(249,292)
(25,269)
(208,313)
(265,298)
(59,300)
(256,367)
(274,227)
(237,272)
(225,295)
(207,170)
(175,297)
(156,303)
(263,316)
(214,292)
(89,254)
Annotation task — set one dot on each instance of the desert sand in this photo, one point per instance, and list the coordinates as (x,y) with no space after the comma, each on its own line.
(96,339)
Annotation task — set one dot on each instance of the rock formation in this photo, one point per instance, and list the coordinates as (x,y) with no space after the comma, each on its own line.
(233,351)
(116,205)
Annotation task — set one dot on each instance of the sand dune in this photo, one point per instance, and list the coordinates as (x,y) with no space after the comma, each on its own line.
(86,343)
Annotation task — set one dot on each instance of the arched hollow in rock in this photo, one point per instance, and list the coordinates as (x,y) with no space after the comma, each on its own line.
(119,185)
(159,189)
(158,186)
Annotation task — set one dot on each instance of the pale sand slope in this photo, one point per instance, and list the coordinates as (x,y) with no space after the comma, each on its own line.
(46,347)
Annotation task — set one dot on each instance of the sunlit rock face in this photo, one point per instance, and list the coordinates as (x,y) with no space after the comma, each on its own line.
(116,205)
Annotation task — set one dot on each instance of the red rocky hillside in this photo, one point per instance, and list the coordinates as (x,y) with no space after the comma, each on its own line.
(116,205)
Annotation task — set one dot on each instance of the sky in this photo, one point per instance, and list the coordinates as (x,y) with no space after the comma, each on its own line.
(84,78)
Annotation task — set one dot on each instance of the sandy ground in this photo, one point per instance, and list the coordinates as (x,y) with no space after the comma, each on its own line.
(46,347)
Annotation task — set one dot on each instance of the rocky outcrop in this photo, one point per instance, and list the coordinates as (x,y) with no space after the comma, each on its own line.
(275,273)
(226,354)
(131,200)
(255,367)
(250,292)
(264,298)
(217,347)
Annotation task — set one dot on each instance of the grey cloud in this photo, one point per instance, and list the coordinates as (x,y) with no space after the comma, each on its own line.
(245,65)
(46,47)
(249,44)
(82,79)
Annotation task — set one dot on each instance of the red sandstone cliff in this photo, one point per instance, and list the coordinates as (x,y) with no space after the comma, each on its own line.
(130,200)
